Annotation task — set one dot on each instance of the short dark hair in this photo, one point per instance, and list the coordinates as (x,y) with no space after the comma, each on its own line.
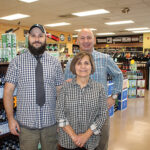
(78,57)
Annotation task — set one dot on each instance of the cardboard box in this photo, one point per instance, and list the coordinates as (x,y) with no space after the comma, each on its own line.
(140,92)
(110,88)
(123,95)
(111,111)
(125,84)
(132,83)
(140,83)
(132,92)
(122,105)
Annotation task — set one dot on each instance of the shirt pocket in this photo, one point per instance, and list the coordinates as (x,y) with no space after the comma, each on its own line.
(49,75)
(92,100)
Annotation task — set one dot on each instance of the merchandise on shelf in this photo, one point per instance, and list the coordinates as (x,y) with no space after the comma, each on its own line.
(122,105)
(125,84)
(8,50)
(111,111)
(132,83)
(122,99)
(140,92)
(141,83)
(110,88)
(9,143)
(136,84)
(132,92)
(123,95)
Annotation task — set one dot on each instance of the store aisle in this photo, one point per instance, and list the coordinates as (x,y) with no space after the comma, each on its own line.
(130,129)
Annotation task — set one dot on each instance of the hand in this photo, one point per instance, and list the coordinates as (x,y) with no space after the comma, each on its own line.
(81,139)
(74,139)
(69,80)
(110,102)
(14,126)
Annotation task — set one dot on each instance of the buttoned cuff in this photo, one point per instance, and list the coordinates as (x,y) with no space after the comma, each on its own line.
(93,128)
(63,123)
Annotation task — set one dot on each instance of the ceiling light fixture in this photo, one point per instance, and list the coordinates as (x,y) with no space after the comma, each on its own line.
(141,31)
(109,33)
(92,29)
(14,17)
(119,22)
(91,12)
(28,1)
(57,24)
(135,29)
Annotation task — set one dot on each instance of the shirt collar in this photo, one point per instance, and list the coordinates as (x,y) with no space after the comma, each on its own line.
(43,55)
(89,84)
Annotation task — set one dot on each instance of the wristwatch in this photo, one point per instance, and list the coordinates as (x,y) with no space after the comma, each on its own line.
(114,96)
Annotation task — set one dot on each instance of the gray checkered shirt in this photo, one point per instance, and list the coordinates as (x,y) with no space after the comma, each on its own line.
(81,109)
(21,72)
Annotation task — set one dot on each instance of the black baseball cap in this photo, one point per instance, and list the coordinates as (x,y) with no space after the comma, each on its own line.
(38,26)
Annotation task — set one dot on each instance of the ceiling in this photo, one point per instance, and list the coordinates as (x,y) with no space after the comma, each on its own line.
(51,11)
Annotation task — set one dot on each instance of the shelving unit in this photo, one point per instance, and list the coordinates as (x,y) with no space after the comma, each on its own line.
(7,140)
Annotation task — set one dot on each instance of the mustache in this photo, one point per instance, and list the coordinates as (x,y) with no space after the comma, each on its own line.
(37,42)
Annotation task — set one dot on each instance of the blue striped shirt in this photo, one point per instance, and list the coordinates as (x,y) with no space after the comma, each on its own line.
(21,72)
(104,65)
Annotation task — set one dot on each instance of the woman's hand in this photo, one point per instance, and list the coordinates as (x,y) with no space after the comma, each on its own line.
(83,138)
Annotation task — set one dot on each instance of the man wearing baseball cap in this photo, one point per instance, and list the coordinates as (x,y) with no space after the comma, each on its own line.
(37,76)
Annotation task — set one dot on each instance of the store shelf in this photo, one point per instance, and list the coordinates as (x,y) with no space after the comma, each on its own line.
(4,63)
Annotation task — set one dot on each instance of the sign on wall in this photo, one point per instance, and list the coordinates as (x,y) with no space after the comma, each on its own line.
(120,39)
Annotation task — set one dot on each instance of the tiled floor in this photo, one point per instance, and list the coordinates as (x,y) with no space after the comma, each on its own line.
(130,129)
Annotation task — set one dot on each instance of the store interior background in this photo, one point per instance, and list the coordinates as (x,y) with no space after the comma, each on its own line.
(130,128)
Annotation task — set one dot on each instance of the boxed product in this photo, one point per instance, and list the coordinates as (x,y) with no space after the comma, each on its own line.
(132,74)
(125,83)
(132,92)
(123,95)
(122,105)
(111,111)
(132,83)
(140,92)
(110,88)
(141,83)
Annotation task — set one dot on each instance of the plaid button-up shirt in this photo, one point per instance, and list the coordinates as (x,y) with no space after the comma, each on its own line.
(104,65)
(21,72)
(82,109)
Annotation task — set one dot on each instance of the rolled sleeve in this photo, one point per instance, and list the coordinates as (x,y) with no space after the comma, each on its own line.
(12,73)
(60,112)
(93,127)
(102,114)
(63,123)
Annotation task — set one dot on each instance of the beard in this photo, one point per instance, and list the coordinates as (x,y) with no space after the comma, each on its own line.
(37,51)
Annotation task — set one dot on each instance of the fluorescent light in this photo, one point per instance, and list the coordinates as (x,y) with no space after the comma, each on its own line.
(91,12)
(58,24)
(134,29)
(15,17)
(141,31)
(109,33)
(28,1)
(92,29)
(119,22)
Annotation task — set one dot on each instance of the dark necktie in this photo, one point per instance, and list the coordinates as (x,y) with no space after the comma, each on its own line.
(40,92)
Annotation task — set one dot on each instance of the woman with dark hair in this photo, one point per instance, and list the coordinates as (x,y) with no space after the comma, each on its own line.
(81,108)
